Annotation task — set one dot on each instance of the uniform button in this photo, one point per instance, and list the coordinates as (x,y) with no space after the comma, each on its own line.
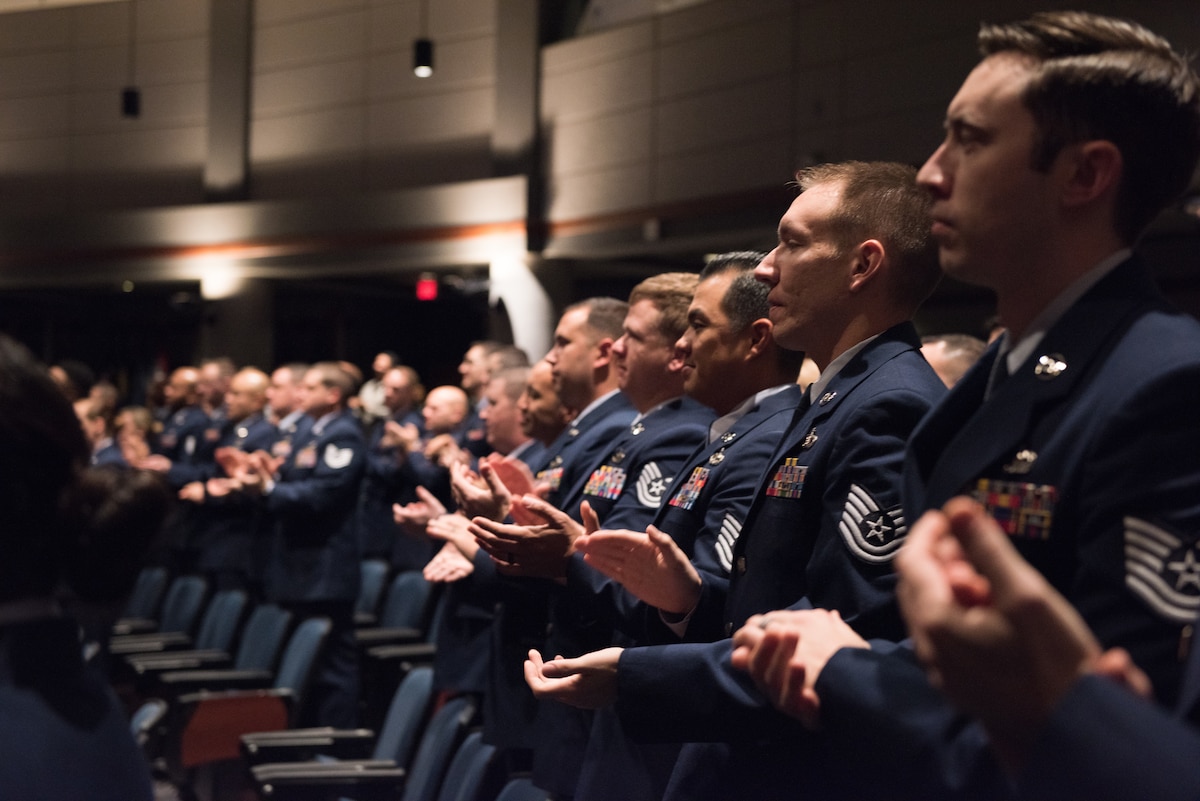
(741,565)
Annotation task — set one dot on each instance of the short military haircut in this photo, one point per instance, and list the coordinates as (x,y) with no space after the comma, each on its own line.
(881,200)
(507,356)
(746,298)
(671,294)
(414,381)
(334,376)
(1104,78)
(296,371)
(606,316)
(513,381)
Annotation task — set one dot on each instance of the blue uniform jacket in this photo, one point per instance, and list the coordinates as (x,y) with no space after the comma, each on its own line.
(706,506)
(384,484)
(315,553)
(571,457)
(226,526)
(822,530)
(1089,455)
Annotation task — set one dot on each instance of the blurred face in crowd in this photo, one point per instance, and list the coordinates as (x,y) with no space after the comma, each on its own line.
(642,353)
(181,388)
(543,417)
(573,358)
(808,270)
(397,391)
(445,408)
(501,417)
(247,394)
(710,347)
(281,394)
(474,369)
(315,397)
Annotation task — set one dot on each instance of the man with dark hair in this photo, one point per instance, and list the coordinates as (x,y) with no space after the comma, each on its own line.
(849,271)
(1076,430)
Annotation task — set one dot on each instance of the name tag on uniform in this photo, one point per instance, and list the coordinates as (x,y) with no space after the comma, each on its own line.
(1022,510)
(788,481)
(605,482)
(689,492)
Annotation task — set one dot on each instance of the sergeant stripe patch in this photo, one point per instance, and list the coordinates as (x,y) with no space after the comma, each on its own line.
(1163,570)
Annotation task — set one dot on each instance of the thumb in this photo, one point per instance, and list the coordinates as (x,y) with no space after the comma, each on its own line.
(591,520)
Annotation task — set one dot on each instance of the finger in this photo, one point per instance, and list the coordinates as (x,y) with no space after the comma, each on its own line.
(989,549)
(493,480)
(591,520)
(435,506)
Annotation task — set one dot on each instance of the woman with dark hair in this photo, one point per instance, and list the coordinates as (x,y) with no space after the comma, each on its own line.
(66,532)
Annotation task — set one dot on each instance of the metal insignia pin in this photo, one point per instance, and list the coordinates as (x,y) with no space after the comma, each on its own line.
(618,457)
(717,457)
(826,398)
(1050,365)
(728,436)
(556,461)
(1022,463)
(574,432)
(243,432)
(810,440)
(637,428)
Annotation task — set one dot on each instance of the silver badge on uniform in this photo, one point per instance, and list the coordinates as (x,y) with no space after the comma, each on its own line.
(872,533)
(1163,570)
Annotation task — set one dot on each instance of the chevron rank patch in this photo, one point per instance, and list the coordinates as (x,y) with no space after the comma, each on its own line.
(731,529)
(788,481)
(1163,570)
(605,482)
(652,486)
(1023,510)
(872,533)
(336,458)
(689,492)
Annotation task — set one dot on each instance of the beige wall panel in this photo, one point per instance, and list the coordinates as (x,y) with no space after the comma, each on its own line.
(713,17)
(173,61)
(32,31)
(139,149)
(584,146)
(738,114)
(431,118)
(171,19)
(599,90)
(300,137)
(102,24)
(43,115)
(728,57)
(561,59)
(40,154)
(580,197)
(422,164)
(723,170)
(335,37)
(329,85)
(26,74)
(273,12)
(819,32)
(103,66)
